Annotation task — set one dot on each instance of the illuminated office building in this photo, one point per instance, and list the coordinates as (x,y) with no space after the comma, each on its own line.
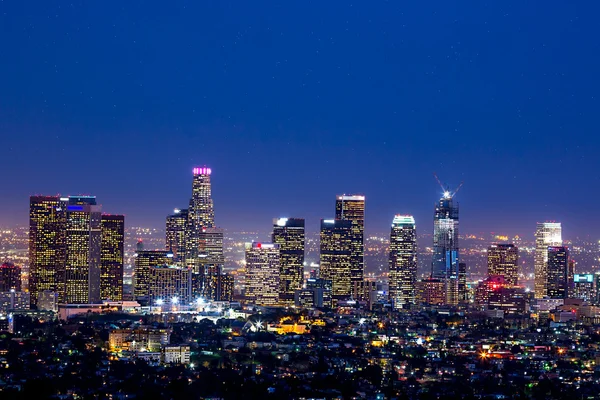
(445,246)
(430,291)
(10,277)
(288,233)
(262,273)
(111,257)
(209,262)
(47,230)
(83,242)
(176,225)
(337,251)
(169,286)
(201,213)
(547,234)
(583,287)
(316,294)
(557,272)
(145,259)
(352,208)
(403,261)
(503,259)
(226,287)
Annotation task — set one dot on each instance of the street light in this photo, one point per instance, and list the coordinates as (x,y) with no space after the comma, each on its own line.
(174,300)
(160,302)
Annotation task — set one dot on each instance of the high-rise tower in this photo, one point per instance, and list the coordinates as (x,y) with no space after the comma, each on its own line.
(200,219)
(83,242)
(262,273)
(111,257)
(144,260)
(209,264)
(176,225)
(47,229)
(336,255)
(288,233)
(352,208)
(503,259)
(547,234)
(403,261)
(445,246)
(557,272)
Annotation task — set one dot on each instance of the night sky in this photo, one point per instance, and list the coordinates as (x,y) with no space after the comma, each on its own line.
(291,104)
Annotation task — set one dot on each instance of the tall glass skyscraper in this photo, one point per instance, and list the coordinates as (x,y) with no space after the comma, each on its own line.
(83,242)
(176,226)
(547,234)
(445,246)
(403,261)
(262,273)
(352,208)
(111,257)
(288,233)
(336,255)
(47,230)
(503,259)
(557,272)
(201,214)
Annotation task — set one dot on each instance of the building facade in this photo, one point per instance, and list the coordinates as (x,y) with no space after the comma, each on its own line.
(145,259)
(583,287)
(503,259)
(403,261)
(47,251)
(445,246)
(262,273)
(175,234)
(111,257)
(288,233)
(557,272)
(352,208)
(201,214)
(169,286)
(10,277)
(431,291)
(546,234)
(336,256)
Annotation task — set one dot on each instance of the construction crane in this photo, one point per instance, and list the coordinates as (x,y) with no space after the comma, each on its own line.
(447,193)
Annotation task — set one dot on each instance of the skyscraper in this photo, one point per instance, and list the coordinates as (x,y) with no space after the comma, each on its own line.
(288,233)
(111,257)
(10,277)
(503,259)
(352,208)
(403,261)
(83,242)
(47,229)
(445,246)
(176,233)
(226,286)
(557,272)
(262,273)
(144,259)
(337,251)
(201,214)
(209,262)
(169,285)
(547,234)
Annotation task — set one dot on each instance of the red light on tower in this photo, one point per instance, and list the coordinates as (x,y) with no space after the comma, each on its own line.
(258,245)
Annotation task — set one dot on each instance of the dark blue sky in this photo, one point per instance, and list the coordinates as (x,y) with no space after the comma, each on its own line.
(292,103)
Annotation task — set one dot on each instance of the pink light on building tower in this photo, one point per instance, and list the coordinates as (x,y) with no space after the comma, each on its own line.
(202,171)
